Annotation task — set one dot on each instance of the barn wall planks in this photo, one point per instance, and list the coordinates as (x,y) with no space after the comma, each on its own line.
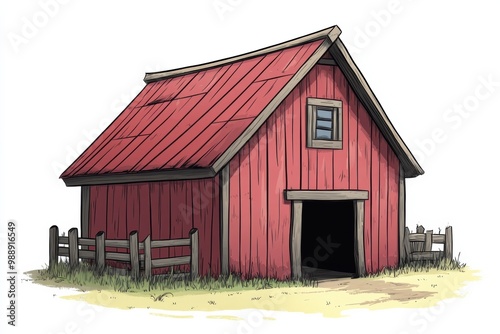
(166,210)
(365,162)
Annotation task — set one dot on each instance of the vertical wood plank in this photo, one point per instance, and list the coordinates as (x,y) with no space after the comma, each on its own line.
(260,202)
(144,211)
(341,157)
(134,254)
(393,198)
(213,192)
(98,209)
(53,246)
(84,212)
(304,155)
(275,186)
(428,241)
(312,153)
(178,216)
(406,245)
(147,257)
(448,243)
(257,207)
(285,208)
(296,240)
(419,246)
(165,217)
(364,177)
(294,137)
(359,245)
(234,215)
(112,222)
(325,87)
(154,190)
(402,217)
(245,212)
(193,235)
(224,205)
(100,251)
(73,247)
(375,196)
(186,208)
(383,204)
(353,139)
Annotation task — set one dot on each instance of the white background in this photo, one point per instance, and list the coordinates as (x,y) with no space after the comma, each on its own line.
(68,69)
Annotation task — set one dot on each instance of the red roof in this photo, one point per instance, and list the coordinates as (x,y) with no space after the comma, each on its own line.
(189,121)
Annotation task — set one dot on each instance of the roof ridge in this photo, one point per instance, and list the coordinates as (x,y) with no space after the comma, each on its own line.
(330,32)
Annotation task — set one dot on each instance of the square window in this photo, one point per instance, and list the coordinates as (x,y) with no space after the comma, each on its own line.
(324,123)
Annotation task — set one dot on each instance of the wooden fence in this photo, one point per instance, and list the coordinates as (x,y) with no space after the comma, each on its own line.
(69,246)
(418,246)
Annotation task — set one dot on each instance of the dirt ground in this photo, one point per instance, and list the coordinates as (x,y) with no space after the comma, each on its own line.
(330,298)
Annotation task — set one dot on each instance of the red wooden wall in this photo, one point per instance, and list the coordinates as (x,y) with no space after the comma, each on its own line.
(166,210)
(259,225)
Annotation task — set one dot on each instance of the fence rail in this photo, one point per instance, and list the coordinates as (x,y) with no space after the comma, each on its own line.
(70,247)
(418,246)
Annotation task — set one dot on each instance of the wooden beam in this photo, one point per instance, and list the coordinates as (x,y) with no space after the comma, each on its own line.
(402,215)
(134,254)
(165,175)
(100,251)
(296,240)
(53,246)
(147,257)
(359,244)
(224,214)
(448,245)
(193,235)
(73,247)
(371,103)
(84,212)
(330,33)
(324,61)
(326,195)
(276,101)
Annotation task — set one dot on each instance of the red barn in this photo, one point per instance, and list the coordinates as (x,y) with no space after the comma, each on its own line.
(283,159)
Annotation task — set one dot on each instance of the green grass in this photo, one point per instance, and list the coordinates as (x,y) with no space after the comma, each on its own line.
(420,267)
(85,278)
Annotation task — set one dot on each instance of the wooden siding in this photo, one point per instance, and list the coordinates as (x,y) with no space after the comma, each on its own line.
(166,210)
(259,220)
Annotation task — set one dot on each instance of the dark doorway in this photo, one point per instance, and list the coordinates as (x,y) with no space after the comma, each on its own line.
(328,236)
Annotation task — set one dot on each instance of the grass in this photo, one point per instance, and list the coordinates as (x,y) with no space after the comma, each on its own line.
(421,267)
(85,277)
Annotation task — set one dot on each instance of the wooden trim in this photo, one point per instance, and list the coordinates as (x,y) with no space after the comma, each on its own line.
(224,214)
(368,99)
(359,244)
(326,195)
(312,103)
(330,33)
(166,175)
(84,213)
(275,102)
(324,61)
(402,216)
(324,102)
(296,240)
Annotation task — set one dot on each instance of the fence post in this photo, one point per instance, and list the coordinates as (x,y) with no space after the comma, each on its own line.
(428,241)
(100,251)
(73,247)
(147,256)
(193,236)
(134,254)
(448,243)
(53,246)
(419,246)
(406,242)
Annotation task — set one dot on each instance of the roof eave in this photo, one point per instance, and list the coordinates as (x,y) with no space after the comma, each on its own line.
(148,176)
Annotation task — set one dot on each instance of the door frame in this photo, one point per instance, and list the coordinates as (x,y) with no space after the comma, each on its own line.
(298,196)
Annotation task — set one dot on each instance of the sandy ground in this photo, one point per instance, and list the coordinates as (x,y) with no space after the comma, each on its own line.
(330,298)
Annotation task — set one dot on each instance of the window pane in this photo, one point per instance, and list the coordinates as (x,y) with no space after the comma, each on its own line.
(324,113)
(324,124)
(323,134)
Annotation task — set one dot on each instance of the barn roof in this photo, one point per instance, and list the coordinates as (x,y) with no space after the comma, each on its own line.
(189,122)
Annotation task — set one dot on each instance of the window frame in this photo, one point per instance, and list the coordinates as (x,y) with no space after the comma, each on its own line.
(312,105)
